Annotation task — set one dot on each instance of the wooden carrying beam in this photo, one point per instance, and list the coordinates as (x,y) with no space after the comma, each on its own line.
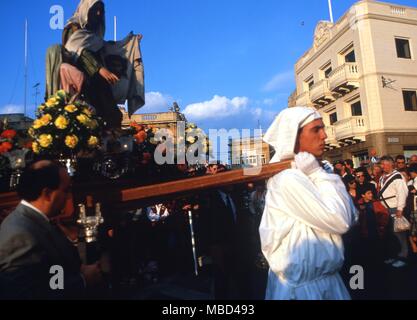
(131,198)
(188,186)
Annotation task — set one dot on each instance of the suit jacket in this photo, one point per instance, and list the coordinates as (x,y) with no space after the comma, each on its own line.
(29,247)
(218,220)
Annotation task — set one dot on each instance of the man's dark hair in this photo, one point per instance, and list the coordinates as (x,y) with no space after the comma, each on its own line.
(413,168)
(400,157)
(387,158)
(36,178)
(367,187)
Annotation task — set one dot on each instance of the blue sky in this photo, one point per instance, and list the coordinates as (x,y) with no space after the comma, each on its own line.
(228,63)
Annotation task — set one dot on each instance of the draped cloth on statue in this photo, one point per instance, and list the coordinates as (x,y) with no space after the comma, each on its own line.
(125,54)
(131,86)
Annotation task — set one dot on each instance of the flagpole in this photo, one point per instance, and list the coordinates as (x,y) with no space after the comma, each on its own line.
(331,11)
(115,28)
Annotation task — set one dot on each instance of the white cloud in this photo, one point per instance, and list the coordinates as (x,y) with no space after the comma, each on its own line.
(218,107)
(11,108)
(268,102)
(156,102)
(279,81)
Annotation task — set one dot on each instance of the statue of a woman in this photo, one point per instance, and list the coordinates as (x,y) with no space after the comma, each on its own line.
(107,71)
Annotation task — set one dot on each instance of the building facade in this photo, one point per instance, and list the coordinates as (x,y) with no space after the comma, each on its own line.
(16,121)
(162,120)
(361,74)
(248,152)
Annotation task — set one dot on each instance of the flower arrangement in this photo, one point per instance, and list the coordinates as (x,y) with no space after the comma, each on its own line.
(8,141)
(150,138)
(64,127)
(145,140)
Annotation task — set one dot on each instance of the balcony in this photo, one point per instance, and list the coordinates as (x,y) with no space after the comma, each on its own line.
(303,99)
(350,129)
(320,93)
(331,136)
(344,79)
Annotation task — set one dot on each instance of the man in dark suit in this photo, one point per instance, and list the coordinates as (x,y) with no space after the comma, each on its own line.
(219,218)
(31,247)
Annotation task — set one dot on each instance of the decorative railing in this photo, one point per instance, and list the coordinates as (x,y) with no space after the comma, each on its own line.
(303,99)
(319,89)
(350,127)
(330,131)
(343,74)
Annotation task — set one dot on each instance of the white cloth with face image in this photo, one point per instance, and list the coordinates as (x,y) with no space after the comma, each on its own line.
(306,212)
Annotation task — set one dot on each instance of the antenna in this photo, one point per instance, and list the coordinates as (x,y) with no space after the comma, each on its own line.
(26,65)
(331,11)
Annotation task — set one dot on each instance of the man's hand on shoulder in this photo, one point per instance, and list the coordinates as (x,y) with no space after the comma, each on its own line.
(307,163)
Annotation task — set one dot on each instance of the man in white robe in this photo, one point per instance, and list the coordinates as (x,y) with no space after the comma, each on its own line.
(307,210)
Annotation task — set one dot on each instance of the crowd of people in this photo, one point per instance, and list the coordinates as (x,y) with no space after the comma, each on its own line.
(383,191)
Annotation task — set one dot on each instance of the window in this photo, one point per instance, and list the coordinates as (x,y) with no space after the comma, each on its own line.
(350,57)
(403,48)
(327,72)
(410,100)
(309,82)
(356,109)
(333,118)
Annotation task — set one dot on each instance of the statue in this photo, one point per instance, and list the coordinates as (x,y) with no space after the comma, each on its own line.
(105,73)
(176,107)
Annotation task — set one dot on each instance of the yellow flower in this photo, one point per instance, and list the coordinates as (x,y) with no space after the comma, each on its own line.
(83,119)
(46,119)
(52,102)
(71,108)
(37,124)
(87,112)
(31,132)
(61,122)
(93,141)
(41,107)
(35,147)
(45,140)
(71,141)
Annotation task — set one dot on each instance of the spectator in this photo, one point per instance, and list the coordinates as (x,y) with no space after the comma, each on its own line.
(349,166)
(340,169)
(400,162)
(352,189)
(393,194)
(376,174)
(413,159)
(363,181)
(412,186)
